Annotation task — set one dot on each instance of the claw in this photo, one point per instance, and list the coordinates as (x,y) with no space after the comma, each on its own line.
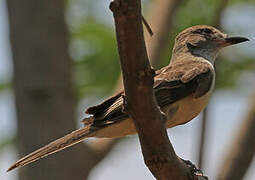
(193,168)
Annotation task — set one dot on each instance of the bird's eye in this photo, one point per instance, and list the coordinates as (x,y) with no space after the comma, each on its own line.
(203,31)
(208,31)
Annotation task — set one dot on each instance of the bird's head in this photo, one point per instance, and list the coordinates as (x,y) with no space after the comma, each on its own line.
(204,41)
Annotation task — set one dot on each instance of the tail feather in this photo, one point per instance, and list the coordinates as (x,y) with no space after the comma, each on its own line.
(55,146)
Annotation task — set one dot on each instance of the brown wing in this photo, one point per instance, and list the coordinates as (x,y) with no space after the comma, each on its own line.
(172,83)
(184,70)
(98,110)
(168,92)
(106,113)
(181,79)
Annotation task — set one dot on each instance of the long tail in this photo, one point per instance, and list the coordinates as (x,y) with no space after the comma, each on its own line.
(55,146)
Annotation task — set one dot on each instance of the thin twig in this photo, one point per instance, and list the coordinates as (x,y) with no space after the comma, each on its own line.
(147,26)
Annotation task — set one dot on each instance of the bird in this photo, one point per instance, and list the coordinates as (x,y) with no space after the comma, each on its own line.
(182,90)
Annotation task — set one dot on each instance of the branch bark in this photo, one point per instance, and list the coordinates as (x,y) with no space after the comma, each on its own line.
(138,75)
(160,19)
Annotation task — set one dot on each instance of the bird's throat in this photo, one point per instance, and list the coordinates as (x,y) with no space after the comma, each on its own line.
(207,54)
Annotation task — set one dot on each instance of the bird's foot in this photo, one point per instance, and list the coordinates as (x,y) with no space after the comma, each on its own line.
(193,168)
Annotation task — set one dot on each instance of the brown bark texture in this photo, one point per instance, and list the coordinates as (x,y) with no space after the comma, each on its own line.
(161,17)
(140,104)
(44,97)
(242,149)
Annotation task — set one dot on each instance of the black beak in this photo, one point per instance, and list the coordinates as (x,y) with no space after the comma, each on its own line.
(234,40)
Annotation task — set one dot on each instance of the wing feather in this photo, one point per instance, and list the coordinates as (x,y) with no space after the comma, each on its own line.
(172,83)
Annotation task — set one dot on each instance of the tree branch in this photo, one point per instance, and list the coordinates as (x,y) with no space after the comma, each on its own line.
(161,19)
(140,102)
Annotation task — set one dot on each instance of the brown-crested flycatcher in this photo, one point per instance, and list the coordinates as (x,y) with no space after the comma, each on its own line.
(182,91)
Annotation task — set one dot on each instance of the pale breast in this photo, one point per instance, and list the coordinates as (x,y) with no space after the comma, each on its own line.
(187,109)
